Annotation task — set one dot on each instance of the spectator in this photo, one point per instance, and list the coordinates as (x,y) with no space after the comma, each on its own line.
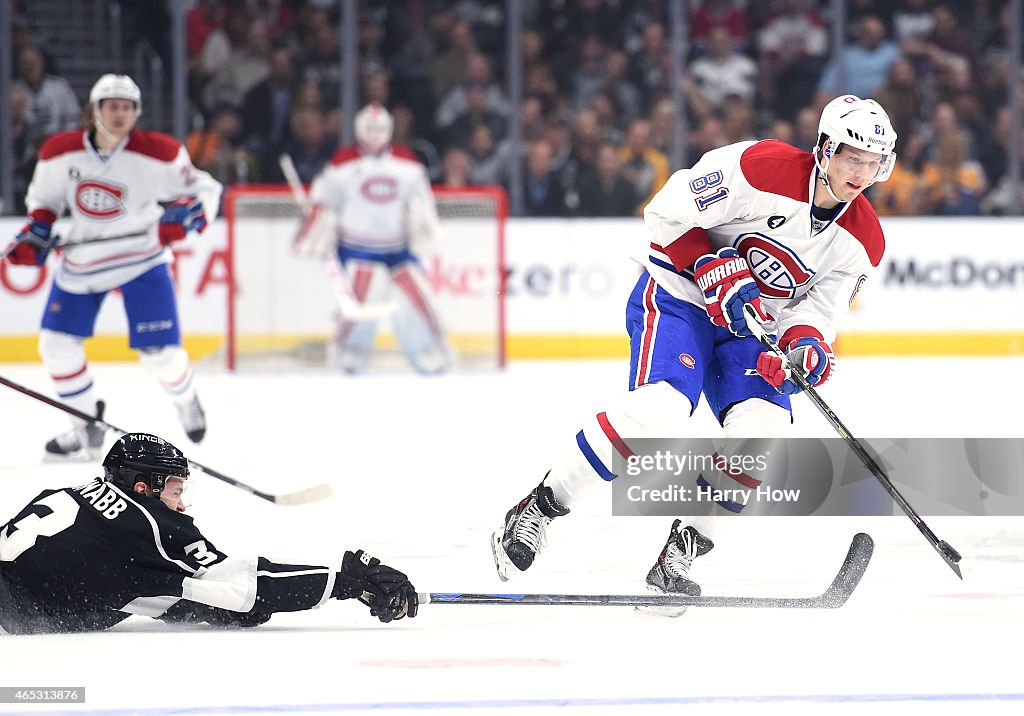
(587,76)
(605,191)
(487,159)
(220,45)
(247,66)
(707,135)
(267,106)
(202,21)
(717,14)
(405,135)
(738,120)
(477,77)
(792,48)
(805,128)
(901,95)
(455,169)
(648,65)
(865,63)
(51,104)
(615,81)
(323,65)
(662,119)
(23,157)
(450,67)
(542,187)
(475,113)
(377,89)
(912,21)
(723,71)
(217,149)
(904,192)
(644,166)
(955,183)
(311,146)
(531,119)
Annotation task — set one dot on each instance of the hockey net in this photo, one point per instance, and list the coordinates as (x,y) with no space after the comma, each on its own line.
(282,312)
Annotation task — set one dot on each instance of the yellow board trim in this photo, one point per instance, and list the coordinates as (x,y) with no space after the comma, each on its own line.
(542,346)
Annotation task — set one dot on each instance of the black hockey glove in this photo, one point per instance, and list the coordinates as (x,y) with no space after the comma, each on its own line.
(386,591)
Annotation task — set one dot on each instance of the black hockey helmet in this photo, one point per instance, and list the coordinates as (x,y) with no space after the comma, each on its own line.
(141,457)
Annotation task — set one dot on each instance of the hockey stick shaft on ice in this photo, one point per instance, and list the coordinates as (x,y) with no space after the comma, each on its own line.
(350,308)
(949,555)
(311,494)
(843,585)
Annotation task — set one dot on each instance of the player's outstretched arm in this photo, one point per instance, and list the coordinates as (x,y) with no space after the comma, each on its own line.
(386,591)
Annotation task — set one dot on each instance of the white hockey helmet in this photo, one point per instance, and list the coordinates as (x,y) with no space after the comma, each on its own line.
(373,127)
(112,86)
(859,123)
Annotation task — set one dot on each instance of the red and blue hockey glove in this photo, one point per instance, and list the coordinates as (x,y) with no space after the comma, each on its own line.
(386,591)
(33,244)
(807,352)
(180,217)
(727,285)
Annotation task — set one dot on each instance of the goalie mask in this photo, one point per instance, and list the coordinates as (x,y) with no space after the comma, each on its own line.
(141,457)
(859,123)
(373,128)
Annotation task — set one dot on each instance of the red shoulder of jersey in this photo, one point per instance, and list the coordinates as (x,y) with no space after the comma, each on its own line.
(401,151)
(154,144)
(777,168)
(862,222)
(62,143)
(345,154)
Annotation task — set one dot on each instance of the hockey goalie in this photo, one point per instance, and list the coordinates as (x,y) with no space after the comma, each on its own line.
(371,209)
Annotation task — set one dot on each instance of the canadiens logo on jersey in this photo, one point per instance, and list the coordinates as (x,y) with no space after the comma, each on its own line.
(778,271)
(100,199)
(380,189)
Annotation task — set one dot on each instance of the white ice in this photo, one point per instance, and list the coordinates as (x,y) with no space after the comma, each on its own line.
(424,469)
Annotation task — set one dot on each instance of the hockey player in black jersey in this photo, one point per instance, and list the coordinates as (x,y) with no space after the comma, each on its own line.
(86,558)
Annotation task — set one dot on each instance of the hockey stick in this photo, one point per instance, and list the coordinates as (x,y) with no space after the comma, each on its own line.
(349,307)
(949,555)
(846,580)
(310,494)
(58,245)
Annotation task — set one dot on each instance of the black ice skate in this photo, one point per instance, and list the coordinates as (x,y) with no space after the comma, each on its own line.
(193,419)
(670,573)
(516,543)
(83,442)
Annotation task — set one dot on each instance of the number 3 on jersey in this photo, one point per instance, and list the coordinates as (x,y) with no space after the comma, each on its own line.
(702,186)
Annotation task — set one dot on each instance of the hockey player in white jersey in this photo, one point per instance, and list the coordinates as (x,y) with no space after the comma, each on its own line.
(375,199)
(758,224)
(116,181)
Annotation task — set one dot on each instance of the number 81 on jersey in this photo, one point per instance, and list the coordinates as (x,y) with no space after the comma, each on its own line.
(701,186)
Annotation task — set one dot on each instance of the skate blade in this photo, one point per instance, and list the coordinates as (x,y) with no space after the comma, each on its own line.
(670,612)
(501,561)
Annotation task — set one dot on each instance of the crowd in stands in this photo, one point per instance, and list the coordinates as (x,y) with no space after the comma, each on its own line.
(596,117)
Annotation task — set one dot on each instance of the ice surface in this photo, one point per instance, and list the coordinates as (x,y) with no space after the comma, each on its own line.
(423,469)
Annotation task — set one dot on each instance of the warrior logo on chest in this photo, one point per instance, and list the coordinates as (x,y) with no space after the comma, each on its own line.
(778,271)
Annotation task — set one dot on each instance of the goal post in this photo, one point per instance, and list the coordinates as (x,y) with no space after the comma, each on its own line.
(281,310)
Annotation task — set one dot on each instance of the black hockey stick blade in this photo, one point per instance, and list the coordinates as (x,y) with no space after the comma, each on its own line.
(310,494)
(847,579)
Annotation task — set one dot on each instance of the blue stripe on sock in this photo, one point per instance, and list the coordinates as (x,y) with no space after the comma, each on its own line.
(592,458)
(75,392)
(727,504)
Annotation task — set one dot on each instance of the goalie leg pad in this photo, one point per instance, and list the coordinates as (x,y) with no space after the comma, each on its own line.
(417,325)
(353,342)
